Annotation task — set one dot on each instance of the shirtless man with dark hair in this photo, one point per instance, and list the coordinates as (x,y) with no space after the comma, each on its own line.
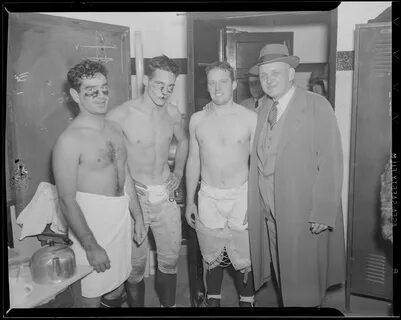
(89,165)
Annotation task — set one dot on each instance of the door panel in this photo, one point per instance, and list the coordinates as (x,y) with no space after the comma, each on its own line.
(243,50)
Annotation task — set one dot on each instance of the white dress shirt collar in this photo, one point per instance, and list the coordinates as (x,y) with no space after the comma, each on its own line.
(283,102)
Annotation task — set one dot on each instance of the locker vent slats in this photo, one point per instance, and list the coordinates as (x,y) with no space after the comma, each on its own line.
(383,55)
(375,268)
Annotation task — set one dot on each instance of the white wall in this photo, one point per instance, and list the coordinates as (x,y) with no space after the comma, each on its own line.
(352,13)
(349,14)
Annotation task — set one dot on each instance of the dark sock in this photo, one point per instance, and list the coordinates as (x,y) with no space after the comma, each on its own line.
(135,294)
(244,289)
(166,287)
(111,303)
(214,278)
(195,269)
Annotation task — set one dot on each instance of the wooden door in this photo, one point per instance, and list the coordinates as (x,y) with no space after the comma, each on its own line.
(41,49)
(369,255)
(242,52)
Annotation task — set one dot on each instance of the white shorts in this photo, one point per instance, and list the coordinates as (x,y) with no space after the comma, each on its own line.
(220,207)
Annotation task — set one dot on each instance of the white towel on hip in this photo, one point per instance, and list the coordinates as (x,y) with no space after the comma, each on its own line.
(109,220)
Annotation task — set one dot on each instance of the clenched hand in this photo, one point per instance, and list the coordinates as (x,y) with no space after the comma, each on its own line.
(191,214)
(98,258)
(317,228)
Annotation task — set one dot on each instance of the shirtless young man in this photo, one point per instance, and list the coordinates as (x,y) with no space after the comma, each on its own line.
(89,166)
(221,138)
(149,124)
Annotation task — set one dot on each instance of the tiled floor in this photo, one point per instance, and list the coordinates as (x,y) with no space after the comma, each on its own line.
(335,298)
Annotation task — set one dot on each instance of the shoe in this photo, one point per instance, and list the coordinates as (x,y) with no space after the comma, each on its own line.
(115,303)
(198,300)
(211,303)
(245,304)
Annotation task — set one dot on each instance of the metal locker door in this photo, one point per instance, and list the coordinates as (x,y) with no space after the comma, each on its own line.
(369,266)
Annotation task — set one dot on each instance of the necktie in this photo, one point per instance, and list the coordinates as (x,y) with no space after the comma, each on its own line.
(272,118)
(256,104)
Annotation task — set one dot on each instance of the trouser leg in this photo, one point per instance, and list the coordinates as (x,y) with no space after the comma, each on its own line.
(166,228)
(274,265)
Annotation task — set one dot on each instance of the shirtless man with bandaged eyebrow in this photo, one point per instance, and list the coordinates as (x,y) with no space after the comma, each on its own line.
(149,124)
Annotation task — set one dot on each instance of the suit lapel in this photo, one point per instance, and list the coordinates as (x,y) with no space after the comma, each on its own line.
(293,120)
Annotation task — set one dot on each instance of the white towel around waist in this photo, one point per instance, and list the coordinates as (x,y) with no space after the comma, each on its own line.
(109,220)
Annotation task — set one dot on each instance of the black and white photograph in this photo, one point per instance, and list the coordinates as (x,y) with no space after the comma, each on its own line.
(236,162)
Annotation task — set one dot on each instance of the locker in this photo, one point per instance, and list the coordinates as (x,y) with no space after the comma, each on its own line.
(369,263)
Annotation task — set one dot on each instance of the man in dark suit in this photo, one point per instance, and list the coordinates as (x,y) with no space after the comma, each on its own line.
(255,89)
(296,169)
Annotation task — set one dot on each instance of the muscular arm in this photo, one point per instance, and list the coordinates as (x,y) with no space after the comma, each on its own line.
(65,169)
(192,173)
(135,208)
(182,145)
(134,205)
(117,116)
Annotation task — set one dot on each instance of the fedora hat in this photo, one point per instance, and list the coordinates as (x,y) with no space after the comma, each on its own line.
(276,52)
(253,71)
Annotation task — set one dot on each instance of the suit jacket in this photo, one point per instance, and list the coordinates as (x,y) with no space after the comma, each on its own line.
(250,103)
(307,188)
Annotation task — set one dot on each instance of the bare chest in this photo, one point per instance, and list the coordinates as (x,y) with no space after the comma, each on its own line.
(102,151)
(222,134)
(144,131)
